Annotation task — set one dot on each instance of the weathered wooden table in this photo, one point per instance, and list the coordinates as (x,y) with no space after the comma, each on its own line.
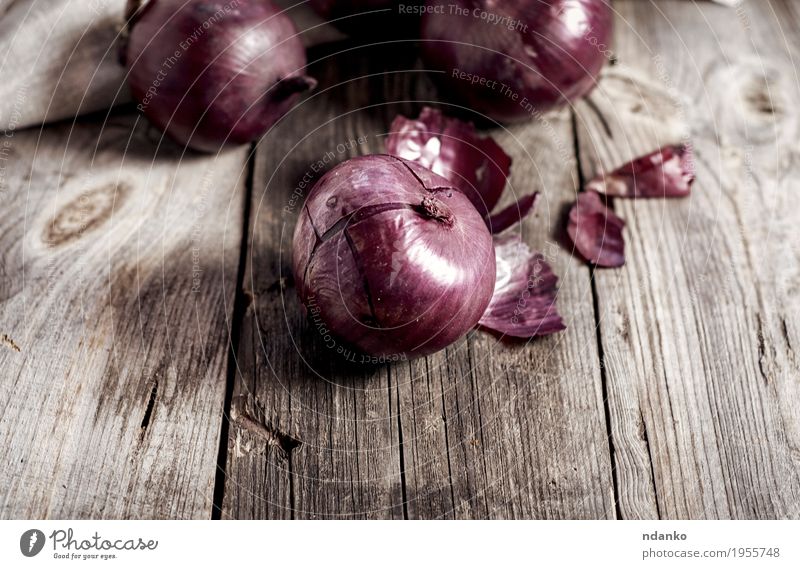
(155,363)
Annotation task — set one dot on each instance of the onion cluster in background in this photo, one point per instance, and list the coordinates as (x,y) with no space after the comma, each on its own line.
(402,254)
(212,73)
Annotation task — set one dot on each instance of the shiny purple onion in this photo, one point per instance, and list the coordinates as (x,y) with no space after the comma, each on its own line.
(212,73)
(511,60)
(665,173)
(391,258)
(596,231)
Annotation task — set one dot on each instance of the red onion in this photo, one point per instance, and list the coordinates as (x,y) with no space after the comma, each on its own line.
(665,173)
(391,259)
(214,72)
(511,60)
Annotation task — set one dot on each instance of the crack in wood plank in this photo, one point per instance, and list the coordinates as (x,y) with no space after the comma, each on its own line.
(148,412)
(283,443)
(6,340)
(707,375)
(596,309)
(86,413)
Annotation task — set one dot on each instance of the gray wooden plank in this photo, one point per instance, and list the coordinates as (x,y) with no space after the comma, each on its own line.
(701,376)
(345,461)
(481,430)
(118,272)
(497,429)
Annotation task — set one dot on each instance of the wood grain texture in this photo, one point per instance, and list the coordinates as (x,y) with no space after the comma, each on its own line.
(121,274)
(480,430)
(119,271)
(700,368)
(345,461)
(498,429)
(58,59)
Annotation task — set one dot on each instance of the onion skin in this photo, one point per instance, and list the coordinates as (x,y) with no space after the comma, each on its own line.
(513,214)
(391,258)
(476,165)
(524,301)
(213,73)
(553,56)
(596,231)
(665,173)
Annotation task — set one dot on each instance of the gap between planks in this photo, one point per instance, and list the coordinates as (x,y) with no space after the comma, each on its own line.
(600,354)
(239,307)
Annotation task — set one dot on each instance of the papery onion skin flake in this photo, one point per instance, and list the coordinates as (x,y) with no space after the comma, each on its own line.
(516,59)
(524,300)
(513,214)
(477,166)
(666,173)
(596,231)
(392,258)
